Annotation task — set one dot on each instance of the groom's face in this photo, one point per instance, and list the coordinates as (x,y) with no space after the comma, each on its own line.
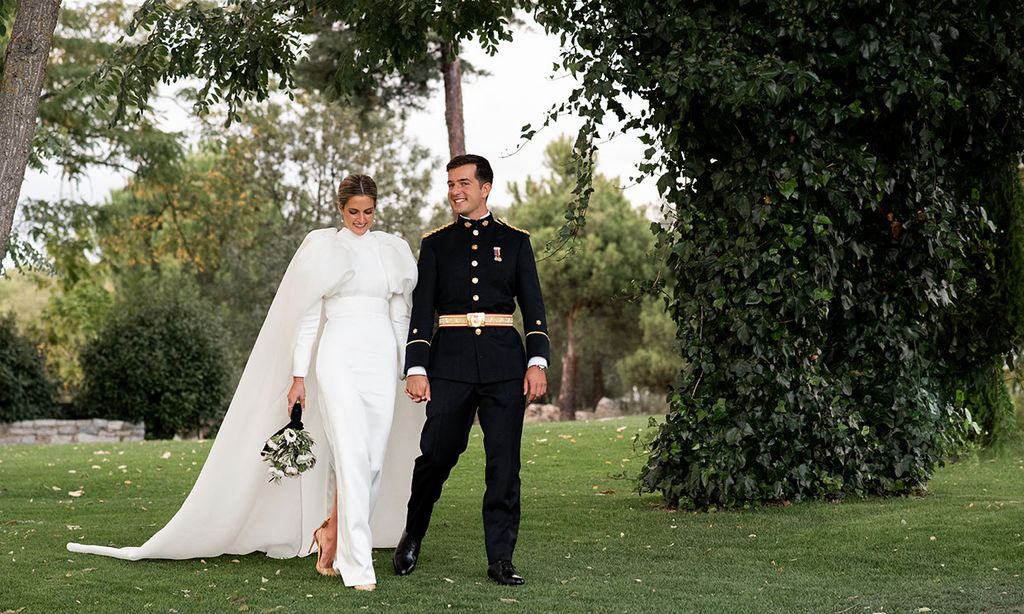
(466,194)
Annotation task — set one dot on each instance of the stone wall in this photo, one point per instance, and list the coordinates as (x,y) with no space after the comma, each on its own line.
(71,431)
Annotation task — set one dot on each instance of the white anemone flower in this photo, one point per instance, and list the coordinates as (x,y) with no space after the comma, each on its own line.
(289,435)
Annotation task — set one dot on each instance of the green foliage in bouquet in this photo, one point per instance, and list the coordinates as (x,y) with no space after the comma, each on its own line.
(289,454)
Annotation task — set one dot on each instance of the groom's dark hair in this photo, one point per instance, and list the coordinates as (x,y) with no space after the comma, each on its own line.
(484,174)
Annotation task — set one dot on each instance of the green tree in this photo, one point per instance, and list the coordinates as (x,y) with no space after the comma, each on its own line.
(26,391)
(160,359)
(832,170)
(228,216)
(614,250)
(363,50)
(656,364)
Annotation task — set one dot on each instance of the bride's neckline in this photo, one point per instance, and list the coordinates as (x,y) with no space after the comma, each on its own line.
(348,234)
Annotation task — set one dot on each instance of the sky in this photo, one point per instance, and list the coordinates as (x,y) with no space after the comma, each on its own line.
(521,87)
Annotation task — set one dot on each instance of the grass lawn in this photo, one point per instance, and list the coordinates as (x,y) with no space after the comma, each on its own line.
(587,543)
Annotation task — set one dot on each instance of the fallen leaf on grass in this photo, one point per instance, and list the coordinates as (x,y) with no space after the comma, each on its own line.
(165,455)
(507,600)
(72,527)
(55,488)
(76,493)
(610,491)
(449,580)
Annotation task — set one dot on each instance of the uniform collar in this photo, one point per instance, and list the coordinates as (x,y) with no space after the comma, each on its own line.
(485,221)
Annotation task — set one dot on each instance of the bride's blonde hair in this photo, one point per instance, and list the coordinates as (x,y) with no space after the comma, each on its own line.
(356,185)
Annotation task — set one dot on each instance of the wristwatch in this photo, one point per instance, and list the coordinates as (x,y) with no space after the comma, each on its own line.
(541,367)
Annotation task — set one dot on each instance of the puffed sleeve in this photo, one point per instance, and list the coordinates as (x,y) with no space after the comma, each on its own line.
(531,303)
(417,348)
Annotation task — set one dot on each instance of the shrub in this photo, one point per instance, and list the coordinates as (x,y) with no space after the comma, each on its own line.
(833,173)
(160,359)
(26,391)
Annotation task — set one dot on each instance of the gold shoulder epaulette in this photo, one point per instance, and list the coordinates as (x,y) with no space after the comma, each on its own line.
(501,221)
(437,230)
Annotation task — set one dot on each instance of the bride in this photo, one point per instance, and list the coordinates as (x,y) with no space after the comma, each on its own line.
(337,329)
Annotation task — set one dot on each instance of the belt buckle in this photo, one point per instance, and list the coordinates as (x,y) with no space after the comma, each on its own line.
(476,319)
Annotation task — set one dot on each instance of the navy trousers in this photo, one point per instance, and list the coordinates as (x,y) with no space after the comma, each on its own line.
(450,413)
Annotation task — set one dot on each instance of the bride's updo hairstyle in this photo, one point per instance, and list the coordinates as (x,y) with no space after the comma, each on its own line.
(356,185)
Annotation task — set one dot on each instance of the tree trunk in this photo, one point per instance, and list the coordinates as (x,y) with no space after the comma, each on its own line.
(567,391)
(597,390)
(24,69)
(451,66)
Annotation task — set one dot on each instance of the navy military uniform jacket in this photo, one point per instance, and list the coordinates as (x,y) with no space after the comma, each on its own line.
(476,266)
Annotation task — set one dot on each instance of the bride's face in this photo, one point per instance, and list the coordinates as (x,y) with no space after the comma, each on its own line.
(358,213)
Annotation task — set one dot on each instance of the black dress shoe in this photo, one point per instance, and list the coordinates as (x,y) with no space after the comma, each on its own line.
(406,553)
(504,572)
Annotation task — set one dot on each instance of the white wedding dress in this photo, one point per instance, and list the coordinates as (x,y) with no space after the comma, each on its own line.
(344,303)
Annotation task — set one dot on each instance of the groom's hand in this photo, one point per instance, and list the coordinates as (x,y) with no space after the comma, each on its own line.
(417,388)
(535,384)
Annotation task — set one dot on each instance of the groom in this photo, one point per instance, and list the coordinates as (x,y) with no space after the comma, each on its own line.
(471,273)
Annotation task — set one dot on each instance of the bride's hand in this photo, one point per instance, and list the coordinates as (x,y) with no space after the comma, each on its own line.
(296,393)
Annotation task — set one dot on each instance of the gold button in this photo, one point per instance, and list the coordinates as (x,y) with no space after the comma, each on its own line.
(473,247)
(486,222)
(416,330)
(476,280)
(476,233)
(468,225)
(474,263)
(476,297)
(538,324)
(478,331)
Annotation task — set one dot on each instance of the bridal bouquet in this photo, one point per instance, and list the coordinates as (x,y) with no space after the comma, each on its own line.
(289,452)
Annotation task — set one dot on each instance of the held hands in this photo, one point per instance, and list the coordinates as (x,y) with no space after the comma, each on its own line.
(296,393)
(417,388)
(535,384)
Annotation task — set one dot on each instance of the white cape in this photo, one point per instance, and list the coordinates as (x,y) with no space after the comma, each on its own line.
(233,508)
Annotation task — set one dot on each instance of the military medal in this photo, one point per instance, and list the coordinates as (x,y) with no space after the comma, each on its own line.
(497,254)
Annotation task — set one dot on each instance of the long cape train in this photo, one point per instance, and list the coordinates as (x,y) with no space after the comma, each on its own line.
(233,508)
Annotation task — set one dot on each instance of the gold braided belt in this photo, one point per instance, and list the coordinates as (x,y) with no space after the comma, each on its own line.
(475,320)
